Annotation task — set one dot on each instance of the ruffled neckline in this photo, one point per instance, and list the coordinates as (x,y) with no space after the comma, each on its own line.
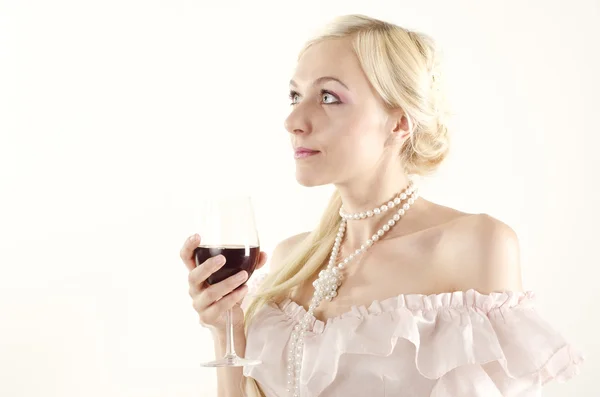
(464,342)
(414,302)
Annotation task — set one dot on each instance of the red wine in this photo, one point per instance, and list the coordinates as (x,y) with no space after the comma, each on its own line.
(237,257)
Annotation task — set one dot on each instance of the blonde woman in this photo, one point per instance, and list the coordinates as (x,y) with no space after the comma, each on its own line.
(390,294)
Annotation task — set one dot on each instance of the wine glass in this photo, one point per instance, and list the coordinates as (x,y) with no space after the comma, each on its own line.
(227,227)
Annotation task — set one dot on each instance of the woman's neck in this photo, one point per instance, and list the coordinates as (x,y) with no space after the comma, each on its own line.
(361,196)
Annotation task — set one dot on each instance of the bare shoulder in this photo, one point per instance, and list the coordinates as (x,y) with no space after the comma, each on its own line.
(487,253)
(284,247)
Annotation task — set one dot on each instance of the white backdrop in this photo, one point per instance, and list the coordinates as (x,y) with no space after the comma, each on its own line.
(116,115)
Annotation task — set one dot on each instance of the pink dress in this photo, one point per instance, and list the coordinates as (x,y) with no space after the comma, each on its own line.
(445,345)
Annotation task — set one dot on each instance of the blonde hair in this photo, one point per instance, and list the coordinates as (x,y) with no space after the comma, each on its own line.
(403,68)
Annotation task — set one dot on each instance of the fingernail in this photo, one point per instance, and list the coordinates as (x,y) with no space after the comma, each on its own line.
(194,237)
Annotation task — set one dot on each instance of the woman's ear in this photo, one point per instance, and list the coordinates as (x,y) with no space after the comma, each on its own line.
(402,126)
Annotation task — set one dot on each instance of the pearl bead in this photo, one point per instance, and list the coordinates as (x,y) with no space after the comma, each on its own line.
(384,208)
(403,196)
(377,211)
(397,201)
(391,222)
(363,215)
(386,227)
(396,217)
(390,204)
(380,232)
(411,201)
(406,207)
(401,212)
(369,213)
(375,237)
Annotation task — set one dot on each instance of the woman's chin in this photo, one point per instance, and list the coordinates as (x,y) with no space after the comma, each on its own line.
(310,179)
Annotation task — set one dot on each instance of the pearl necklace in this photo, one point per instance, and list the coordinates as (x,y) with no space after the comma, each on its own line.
(330,279)
(375,211)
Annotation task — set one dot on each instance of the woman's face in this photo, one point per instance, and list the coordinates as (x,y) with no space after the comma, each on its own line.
(337,116)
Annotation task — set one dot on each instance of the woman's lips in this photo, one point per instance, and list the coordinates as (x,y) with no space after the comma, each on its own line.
(301,153)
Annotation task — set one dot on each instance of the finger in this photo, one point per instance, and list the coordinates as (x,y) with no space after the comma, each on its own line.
(262,259)
(216,291)
(200,274)
(226,303)
(187,251)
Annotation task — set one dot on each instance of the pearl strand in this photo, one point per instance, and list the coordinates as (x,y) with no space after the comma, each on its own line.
(327,284)
(377,210)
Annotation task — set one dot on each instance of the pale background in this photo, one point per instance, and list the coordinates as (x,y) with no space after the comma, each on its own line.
(115,116)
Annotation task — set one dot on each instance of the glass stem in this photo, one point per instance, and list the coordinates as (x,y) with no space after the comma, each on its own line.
(230,352)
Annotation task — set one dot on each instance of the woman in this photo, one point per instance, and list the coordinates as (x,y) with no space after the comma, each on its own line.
(391,294)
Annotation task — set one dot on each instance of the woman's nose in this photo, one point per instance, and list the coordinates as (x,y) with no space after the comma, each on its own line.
(298,121)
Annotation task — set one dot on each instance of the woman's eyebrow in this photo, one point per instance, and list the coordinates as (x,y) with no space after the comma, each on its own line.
(321,80)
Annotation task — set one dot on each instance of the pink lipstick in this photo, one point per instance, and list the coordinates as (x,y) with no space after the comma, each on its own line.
(302,152)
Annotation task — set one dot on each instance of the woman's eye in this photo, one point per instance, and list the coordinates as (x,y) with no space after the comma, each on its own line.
(326,94)
(292,96)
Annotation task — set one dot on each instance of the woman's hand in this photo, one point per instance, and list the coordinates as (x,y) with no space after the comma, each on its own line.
(212,301)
